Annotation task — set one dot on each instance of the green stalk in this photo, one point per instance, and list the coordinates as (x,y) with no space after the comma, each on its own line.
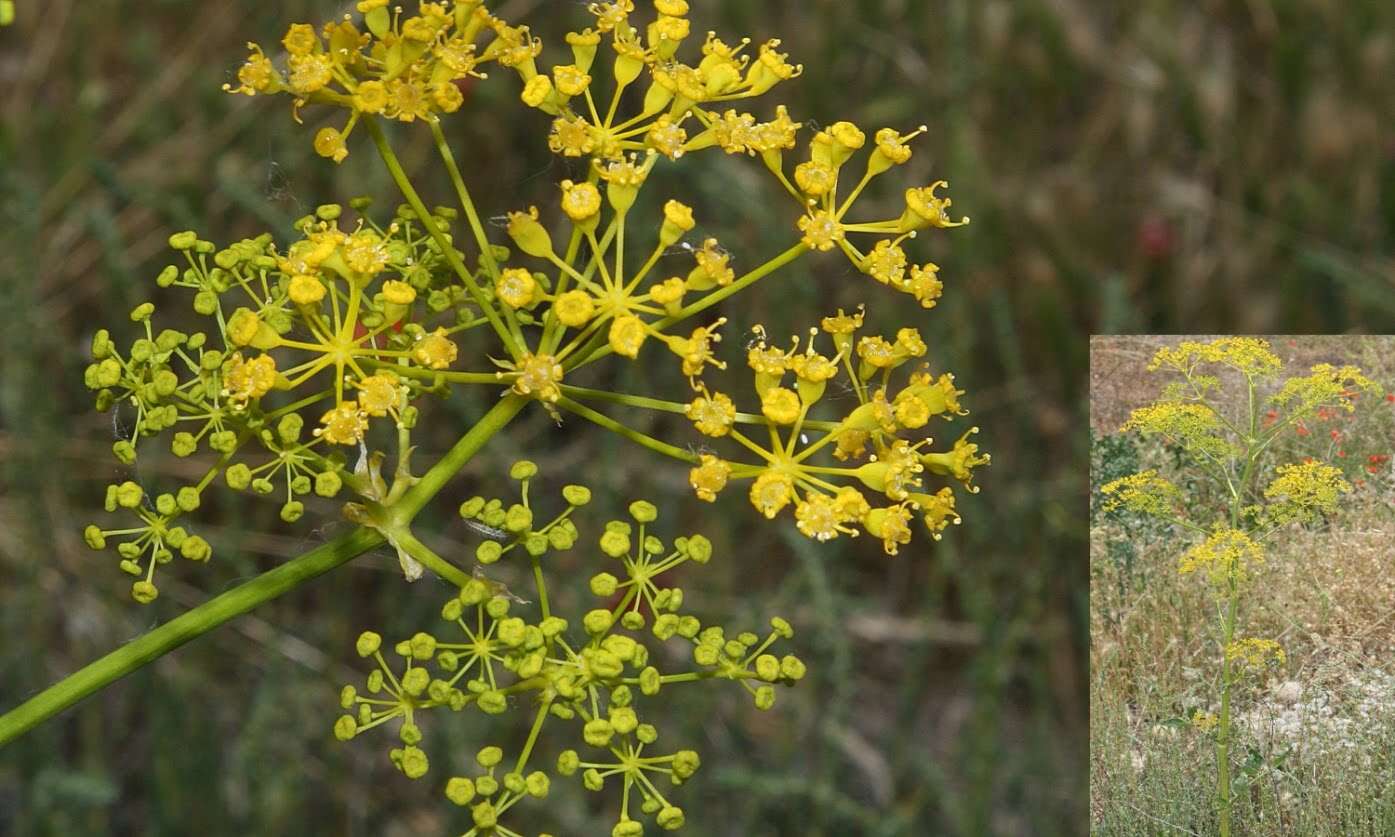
(181,629)
(404,185)
(245,597)
(1223,734)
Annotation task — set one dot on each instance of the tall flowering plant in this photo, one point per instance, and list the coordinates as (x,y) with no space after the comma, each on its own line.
(1227,445)
(321,356)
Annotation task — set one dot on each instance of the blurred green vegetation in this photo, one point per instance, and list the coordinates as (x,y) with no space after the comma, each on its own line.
(1163,165)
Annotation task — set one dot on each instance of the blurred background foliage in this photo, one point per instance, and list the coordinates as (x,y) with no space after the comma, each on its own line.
(1161,165)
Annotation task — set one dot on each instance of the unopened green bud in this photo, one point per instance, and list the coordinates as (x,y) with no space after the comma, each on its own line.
(184,240)
(345,727)
(238,476)
(187,498)
(615,543)
(493,702)
(488,552)
(604,584)
(460,790)
(328,483)
(643,511)
(597,621)
(129,495)
(598,732)
(368,642)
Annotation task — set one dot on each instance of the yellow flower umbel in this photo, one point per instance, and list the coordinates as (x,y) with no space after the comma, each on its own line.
(1227,556)
(1303,492)
(1145,492)
(391,64)
(786,475)
(1254,653)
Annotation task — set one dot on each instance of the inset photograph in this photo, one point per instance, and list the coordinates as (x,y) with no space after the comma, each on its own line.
(1242,585)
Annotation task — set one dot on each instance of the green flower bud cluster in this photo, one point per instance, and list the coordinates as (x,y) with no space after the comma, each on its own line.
(513,526)
(589,672)
(298,327)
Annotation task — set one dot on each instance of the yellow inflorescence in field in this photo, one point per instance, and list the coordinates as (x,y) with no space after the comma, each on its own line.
(1226,556)
(1304,491)
(1255,653)
(1250,355)
(1195,426)
(1144,492)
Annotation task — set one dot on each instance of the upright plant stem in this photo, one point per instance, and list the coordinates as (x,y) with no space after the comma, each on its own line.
(181,629)
(1223,734)
(247,596)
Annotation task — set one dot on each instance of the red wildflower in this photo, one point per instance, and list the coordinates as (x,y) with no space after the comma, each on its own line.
(1301,430)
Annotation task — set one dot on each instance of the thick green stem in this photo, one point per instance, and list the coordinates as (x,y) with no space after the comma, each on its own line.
(1223,731)
(435,479)
(181,629)
(245,597)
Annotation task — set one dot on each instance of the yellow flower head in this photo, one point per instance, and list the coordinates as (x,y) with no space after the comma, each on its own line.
(817,517)
(366,253)
(308,73)
(306,289)
(814,178)
(517,288)
(379,393)
(245,380)
(891,524)
(938,509)
(627,335)
(1195,426)
(581,201)
(667,137)
(876,352)
(343,425)
(435,350)
(1304,492)
(697,349)
(843,323)
(780,405)
(712,267)
(712,414)
(571,136)
(1144,492)
(301,39)
(398,292)
(570,80)
(709,477)
(256,75)
(886,263)
(539,376)
(371,97)
(668,293)
(959,462)
(574,308)
(771,492)
(892,146)
(1255,653)
(1225,554)
(821,230)
(925,209)
(925,285)
(1250,355)
(852,444)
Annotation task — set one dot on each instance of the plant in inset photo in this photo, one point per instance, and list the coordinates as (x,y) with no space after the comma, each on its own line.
(1242,603)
